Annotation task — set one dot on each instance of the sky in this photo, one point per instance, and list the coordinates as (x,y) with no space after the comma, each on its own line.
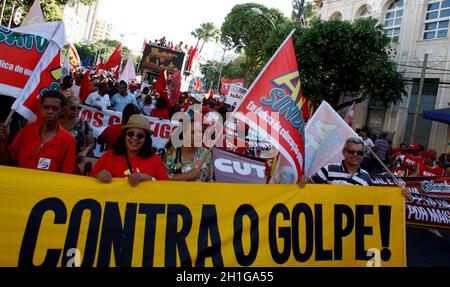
(175,19)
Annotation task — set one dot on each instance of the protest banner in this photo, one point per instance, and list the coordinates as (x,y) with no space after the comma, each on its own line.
(234,168)
(430,206)
(19,55)
(235,96)
(273,106)
(325,137)
(226,83)
(156,59)
(99,120)
(56,219)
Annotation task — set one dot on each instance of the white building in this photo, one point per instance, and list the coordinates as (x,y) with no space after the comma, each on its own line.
(80,21)
(416,28)
(102,30)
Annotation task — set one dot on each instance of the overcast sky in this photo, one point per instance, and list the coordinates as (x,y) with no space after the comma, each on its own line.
(175,19)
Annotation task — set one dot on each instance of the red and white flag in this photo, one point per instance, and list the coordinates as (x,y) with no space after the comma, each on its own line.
(273,107)
(74,58)
(350,115)
(45,76)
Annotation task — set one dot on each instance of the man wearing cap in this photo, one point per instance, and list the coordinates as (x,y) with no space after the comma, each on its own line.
(412,160)
(429,167)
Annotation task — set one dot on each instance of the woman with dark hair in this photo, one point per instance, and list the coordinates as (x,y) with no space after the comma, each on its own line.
(161,110)
(132,156)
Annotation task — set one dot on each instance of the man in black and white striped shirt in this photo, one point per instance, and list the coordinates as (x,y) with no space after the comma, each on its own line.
(348,171)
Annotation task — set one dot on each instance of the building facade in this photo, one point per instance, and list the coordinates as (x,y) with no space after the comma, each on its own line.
(102,30)
(80,21)
(415,28)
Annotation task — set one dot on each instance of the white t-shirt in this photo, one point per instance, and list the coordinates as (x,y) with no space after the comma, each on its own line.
(76,90)
(95,99)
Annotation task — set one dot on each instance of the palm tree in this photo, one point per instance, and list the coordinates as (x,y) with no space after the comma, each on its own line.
(206,32)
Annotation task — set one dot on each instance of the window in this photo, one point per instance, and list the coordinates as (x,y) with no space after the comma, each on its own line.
(436,19)
(393,20)
(335,16)
(363,12)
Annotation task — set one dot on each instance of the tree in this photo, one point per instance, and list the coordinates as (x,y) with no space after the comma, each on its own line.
(206,32)
(50,8)
(341,58)
(245,30)
(210,72)
(103,47)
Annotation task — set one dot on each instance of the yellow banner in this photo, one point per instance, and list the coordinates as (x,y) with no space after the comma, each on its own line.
(55,219)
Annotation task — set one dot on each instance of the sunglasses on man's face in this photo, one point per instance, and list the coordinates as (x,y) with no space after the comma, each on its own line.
(353,152)
(75,108)
(139,136)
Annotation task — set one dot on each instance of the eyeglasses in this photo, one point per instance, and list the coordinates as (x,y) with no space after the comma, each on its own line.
(139,136)
(353,152)
(74,108)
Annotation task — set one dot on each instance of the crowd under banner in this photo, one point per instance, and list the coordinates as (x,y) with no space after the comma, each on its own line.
(53,219)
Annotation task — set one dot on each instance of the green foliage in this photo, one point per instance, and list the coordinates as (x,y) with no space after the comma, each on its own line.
(104,47)
(211,72)
(245,30)
(206,32)
(338,58)
(52,9)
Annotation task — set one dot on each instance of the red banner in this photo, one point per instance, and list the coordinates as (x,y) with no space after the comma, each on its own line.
(225,84)
(19,55)
(273,107)
(430,206)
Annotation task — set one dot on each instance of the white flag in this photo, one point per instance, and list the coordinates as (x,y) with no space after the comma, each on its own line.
(128,73)
(34,16)
(325,135)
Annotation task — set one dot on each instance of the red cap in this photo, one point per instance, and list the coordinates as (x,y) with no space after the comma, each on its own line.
(414,146)
(431,154)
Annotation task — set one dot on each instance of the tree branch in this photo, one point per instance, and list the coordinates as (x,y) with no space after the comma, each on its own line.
(349,103)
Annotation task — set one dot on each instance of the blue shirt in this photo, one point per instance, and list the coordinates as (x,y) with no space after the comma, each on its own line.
(118,102)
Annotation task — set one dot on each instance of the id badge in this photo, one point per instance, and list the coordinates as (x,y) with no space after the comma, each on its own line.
(44,163)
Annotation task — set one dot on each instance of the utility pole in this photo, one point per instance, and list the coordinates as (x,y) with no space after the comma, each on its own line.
(419,95)
(3,10)
(12,14)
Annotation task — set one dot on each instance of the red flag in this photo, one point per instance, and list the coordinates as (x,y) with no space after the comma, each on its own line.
(85,87)
(161,86)
(210,94)
(350,115)
(115,58)
(145,44)
(191,53)
(186,104)
(274,99)
(175,85)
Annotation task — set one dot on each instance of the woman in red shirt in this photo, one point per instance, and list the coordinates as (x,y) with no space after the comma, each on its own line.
(132,157)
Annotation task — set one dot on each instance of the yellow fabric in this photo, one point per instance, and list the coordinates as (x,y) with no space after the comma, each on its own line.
(30,197)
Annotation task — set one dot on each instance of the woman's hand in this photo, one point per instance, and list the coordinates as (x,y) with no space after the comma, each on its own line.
(104,176)
(138,177)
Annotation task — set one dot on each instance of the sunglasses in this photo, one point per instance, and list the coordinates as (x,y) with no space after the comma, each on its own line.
(353,152)
(139,136)
(74,108)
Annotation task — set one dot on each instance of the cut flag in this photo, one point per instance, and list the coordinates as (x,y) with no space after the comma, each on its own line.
(115,58)
(34,16)
(128,74)
(74,58)
(350,115)
(85,86)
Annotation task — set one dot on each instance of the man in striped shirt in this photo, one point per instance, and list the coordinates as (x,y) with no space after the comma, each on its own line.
(348,171)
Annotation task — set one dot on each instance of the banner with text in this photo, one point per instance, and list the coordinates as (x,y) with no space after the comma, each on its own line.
(99,120)
(19,55)
(430,206)
(56,219)
(235,96)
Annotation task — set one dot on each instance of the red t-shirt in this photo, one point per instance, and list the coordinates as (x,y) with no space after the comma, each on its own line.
(57,154)
(158,113)
(410,163)
(425,170)
(118,167)
(110,135)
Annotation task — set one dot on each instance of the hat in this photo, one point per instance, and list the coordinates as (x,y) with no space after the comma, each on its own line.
(414,146)
(431,154)
(138,121)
